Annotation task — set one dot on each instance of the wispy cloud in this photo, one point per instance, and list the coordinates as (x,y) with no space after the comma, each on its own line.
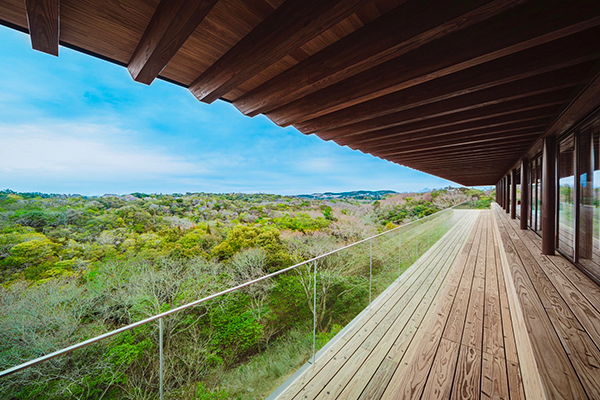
(85,151)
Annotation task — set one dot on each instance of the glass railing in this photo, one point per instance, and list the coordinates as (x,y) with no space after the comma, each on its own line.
(242,342)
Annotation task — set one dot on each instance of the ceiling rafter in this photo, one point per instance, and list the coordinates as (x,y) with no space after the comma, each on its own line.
(538,23)
(291,25)
(43,21)
(171,25)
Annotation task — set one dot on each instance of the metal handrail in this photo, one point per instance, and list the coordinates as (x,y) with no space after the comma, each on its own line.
(87,342)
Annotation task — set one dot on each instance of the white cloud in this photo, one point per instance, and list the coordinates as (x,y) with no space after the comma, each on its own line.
(85,151)
(318,164)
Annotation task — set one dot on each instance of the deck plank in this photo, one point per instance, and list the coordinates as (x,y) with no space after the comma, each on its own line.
(443,331)
(582,352)
(332,360)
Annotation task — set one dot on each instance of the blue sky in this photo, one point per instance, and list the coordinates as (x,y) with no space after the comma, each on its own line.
(77,124)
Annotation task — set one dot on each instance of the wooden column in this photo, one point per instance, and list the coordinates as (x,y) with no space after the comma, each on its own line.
(507,194)
(501,192)
(548,195)
(524,193)
(513,194)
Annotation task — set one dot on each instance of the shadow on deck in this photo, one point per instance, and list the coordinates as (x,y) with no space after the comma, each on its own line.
(481,315)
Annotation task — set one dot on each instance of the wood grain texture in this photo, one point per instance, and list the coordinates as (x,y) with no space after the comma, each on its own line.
(483,101)
(375,43)
(577,49)
(467,380)
(43,24)
(558,377)
(171,25)
(290,26)
(537,23)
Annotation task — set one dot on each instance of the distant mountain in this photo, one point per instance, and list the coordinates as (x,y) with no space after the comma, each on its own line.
(357,194)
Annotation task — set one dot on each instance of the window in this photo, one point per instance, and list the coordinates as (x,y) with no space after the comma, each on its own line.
(566,196)
(518,184)
(535,193)
(589,198)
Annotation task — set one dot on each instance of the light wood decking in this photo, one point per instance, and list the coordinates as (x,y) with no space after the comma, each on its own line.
(442,331)
(561,308)
(482,315)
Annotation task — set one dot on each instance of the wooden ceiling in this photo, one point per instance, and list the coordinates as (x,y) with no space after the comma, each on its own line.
(458,89)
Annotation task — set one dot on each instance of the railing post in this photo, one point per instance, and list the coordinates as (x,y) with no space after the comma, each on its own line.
(314,357)
(161,358)
(370,271)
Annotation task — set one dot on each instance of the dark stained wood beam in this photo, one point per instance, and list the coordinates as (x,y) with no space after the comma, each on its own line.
(523,88)
(377,42)
(585,102)
(499,112)
(454,161)
(43,20)
(525,135)
(474,151)
(291,25)
(539,114)
(424,142)
(171,25)
(576,49)
(427,138)
(523,27)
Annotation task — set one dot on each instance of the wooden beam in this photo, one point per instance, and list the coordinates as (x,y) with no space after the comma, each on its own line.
(544,104)
(43,20)
(171,25)
(377,42)
(528,136)
(488,150)
(523,27)
(456,165)
(425,139)
(291,25)
(576,49)
(585,102)
(538,85)
(425,144)
(514,120)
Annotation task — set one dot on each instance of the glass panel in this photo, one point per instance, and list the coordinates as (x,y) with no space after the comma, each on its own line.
(589,226)
(538,201)
(535,192)
(518,181)
(532,194)
(566,196)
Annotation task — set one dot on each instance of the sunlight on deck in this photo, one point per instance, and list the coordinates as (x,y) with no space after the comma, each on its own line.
(419,340)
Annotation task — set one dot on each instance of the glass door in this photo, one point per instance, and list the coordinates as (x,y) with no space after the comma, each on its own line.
(566,196)
(588,243)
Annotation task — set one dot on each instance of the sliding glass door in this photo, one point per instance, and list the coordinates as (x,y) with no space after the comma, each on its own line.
(588,241)
(566,196)
(535,191)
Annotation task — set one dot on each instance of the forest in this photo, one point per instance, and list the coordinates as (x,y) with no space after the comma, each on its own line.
(73,267)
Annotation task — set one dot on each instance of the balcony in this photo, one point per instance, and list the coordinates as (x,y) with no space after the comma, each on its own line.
(483,314)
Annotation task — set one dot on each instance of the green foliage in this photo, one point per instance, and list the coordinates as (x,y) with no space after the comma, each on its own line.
(73,267)
(302,222)
(327,212)
(202,393)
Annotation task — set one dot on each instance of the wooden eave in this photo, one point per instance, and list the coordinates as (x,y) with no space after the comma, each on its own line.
(461,90)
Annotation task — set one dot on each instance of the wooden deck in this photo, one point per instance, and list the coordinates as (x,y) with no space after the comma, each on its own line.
(482,315)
